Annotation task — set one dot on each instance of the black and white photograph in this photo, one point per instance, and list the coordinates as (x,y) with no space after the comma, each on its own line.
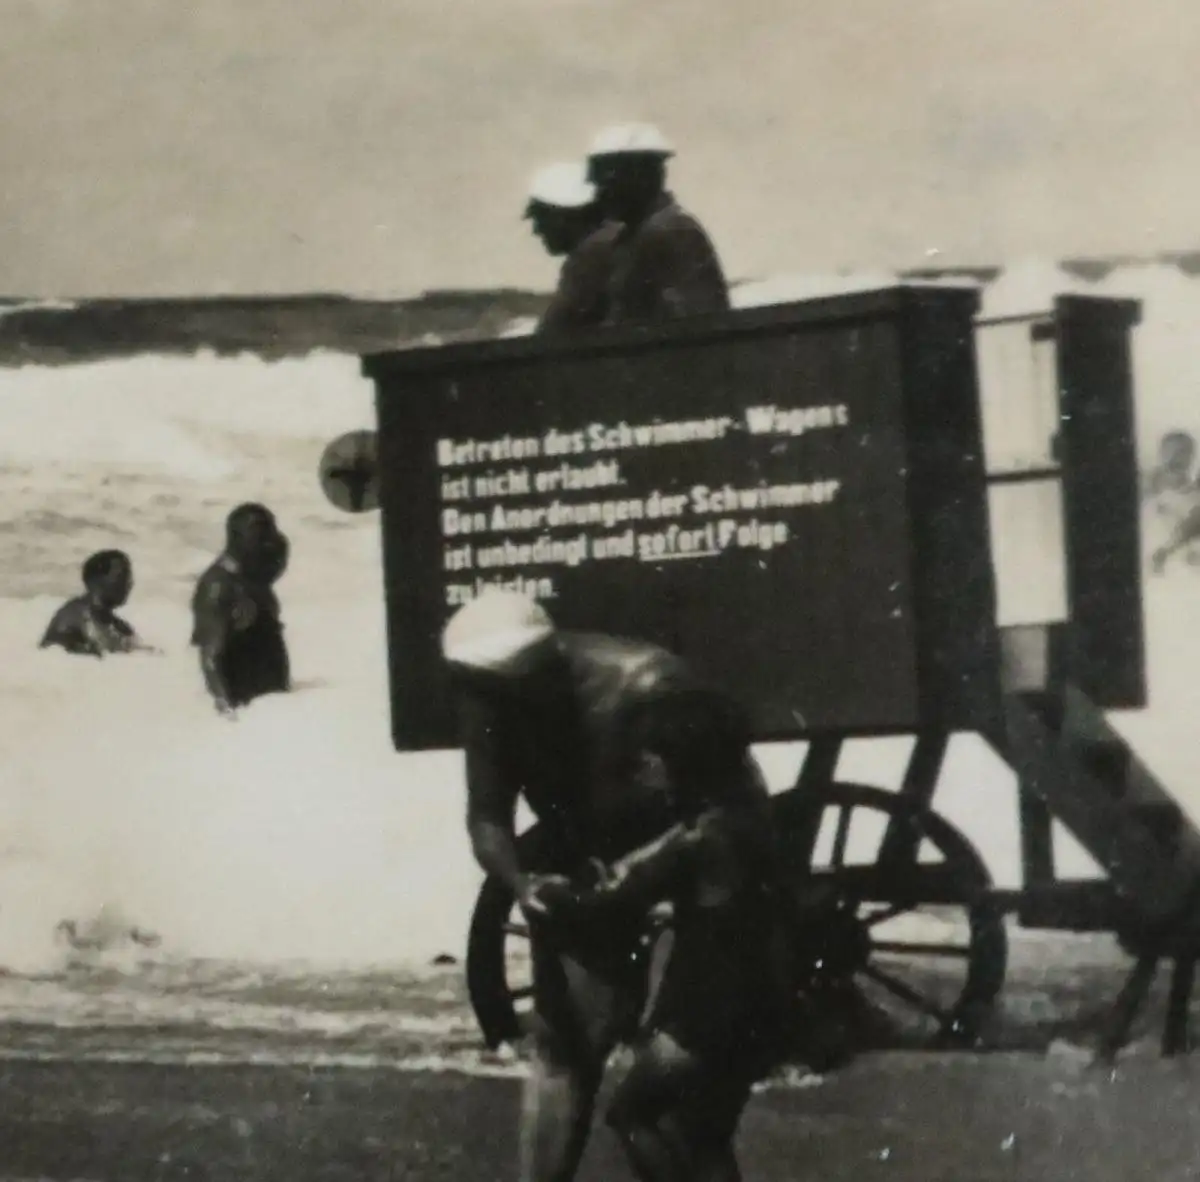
(594,590)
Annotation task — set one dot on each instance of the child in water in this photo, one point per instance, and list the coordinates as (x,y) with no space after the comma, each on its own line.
(88,625)
(717,1016)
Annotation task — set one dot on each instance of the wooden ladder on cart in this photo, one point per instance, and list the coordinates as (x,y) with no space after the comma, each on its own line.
(1073,766)
(1071,375)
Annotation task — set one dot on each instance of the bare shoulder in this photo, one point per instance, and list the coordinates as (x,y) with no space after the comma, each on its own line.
(215,593)
(67,617)
(70,612)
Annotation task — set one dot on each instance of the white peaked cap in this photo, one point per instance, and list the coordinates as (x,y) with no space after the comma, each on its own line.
(563,185)
(494,629)
(630,138)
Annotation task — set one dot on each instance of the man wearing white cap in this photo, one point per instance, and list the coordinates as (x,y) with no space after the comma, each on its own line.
(560,718)
(563,211)
(665,266)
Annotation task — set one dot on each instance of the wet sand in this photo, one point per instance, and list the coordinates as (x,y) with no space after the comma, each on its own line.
(905,1118)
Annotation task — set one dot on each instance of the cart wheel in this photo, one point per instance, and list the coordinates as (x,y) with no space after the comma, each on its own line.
(893,900)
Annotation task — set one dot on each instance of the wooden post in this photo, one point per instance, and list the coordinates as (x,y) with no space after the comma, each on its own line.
(1176,1040)
(901,845)
(1127,1007)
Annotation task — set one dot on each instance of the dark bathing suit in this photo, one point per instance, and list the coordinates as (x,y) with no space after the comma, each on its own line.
(725,987)
(254,659)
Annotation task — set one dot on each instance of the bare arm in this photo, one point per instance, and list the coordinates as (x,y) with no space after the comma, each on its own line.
(213,626)
(494,846)
(649,874)
(491,796)
(93,638)
(131,642)
(1185,532)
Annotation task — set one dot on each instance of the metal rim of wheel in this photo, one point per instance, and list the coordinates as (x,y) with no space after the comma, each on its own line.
(920,940)
(499,976)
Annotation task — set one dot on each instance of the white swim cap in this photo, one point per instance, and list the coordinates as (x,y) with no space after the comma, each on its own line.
(629,139)
(494,629)
(564,186)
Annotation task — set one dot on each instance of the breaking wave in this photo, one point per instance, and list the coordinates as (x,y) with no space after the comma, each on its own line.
(301,874)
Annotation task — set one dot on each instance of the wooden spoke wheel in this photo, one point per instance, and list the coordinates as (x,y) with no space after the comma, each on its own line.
(498,968)
(893,915)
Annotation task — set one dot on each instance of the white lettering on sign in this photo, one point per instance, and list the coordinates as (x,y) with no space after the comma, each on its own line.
(517,507)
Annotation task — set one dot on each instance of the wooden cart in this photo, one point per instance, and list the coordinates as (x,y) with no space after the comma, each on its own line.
(981,573)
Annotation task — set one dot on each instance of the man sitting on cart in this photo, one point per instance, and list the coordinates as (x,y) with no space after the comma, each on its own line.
(559,719)
(563,213)
(664,265)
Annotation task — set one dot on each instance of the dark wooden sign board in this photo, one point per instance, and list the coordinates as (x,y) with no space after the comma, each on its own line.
(792,497)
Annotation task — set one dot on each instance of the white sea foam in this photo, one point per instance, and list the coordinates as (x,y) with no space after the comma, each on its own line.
(298,831)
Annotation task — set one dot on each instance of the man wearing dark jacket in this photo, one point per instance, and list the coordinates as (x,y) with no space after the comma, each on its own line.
(563,212)
(664,264)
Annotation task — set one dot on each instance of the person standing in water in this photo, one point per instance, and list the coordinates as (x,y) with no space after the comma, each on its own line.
(88,625)
(720,1016)
(236,615)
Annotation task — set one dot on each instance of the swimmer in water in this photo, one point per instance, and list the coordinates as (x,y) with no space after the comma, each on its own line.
(98,937)
(88,625)
(236,613)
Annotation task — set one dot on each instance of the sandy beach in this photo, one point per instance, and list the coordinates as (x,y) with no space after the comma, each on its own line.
(895,1118)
